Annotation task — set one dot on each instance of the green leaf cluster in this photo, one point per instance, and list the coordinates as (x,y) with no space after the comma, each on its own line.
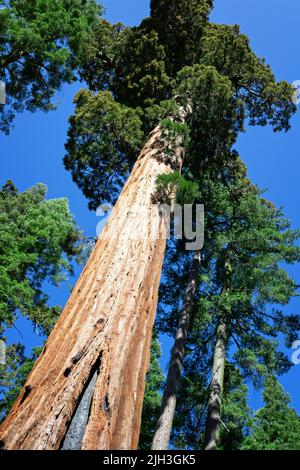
(38,242)
(276,425)
(40,42)
(103,141)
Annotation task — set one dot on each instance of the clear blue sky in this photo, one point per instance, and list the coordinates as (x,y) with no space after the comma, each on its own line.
(34,150)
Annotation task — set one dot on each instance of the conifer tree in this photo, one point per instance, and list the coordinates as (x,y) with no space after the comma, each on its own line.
(193,104)
(164,425)
(39,242)
(236,413)
(250,277)
(40,42)
(276,425)
(240,275)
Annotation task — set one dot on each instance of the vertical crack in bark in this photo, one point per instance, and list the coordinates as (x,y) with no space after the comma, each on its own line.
(75,432)
(106,405)
(26,394)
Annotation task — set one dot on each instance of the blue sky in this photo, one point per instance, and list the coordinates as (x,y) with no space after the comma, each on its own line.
(34,150)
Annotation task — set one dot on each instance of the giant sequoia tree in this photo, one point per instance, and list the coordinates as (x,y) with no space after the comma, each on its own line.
(190,84)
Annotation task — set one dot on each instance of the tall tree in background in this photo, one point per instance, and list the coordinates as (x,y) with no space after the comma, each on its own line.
(39,44)
(249,273)
(247,240)
(276,425)
(39,240)
(164,425)
(236,413)
(138,83)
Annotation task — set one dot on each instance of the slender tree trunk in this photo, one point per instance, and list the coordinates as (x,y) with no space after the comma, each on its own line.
(96,358)
(164,426)
(216,390)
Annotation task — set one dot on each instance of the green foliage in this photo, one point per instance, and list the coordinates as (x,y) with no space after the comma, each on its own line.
(130,62)
(97,55)
(140,77)
(38,241)
(236,414)
(174,58)
(246,277)
(180,27)
(172,130)
(276,425)
(39,44)
(206,92)
(215,115)
(173,183)
(152,397)
(265,100)
(141,58)
(242,274)
(103,141)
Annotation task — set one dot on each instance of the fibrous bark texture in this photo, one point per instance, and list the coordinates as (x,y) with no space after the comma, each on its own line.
(164,426)
(106,324)
(216,390)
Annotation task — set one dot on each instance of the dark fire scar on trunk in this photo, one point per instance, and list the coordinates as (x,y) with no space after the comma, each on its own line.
(74,435)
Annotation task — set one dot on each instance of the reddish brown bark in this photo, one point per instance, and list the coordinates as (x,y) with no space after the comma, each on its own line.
(107,321)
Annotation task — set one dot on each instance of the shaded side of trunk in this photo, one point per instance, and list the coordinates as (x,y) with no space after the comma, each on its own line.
(216,390)
(104,332)
(164,426)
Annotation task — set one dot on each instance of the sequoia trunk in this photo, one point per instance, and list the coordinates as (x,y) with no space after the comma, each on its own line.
(165,422)
(216,390)
(98,352)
